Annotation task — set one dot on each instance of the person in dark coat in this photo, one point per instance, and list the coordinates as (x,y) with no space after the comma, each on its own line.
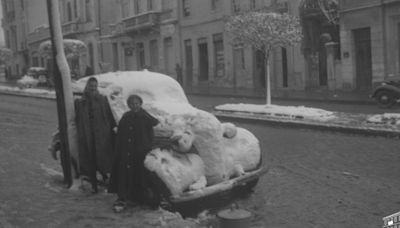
(133,142)
(95,124)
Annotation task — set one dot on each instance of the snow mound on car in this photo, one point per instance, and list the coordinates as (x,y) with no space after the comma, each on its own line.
(225,150)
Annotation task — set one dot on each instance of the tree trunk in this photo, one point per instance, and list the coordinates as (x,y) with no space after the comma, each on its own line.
(267,78)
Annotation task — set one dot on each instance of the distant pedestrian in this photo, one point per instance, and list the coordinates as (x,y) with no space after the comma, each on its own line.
(95,124)
(133,142)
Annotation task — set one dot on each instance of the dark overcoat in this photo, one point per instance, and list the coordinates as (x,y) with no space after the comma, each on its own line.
(134,140)
(95,124)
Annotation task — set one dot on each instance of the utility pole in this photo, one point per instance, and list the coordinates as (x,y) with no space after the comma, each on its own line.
(63,90)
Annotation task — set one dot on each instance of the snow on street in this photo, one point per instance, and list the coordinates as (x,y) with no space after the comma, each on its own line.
(317,179)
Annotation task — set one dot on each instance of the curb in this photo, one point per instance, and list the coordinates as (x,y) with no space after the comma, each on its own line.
(266,120)
(25,94)
(286,98)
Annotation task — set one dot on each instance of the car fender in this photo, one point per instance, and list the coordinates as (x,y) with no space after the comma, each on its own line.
(391,88)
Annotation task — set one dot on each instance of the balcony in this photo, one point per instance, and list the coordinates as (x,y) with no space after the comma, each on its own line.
(40,34)
(43,33)
(116,29)
(141,22)
(70,28)
(168,15)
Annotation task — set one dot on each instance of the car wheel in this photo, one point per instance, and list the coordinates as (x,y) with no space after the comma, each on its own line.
(385,99)
(251,184)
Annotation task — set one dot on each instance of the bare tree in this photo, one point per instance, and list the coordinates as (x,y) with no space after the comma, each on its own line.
(264,31)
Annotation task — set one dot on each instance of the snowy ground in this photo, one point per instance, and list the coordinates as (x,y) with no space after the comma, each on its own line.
(28,91)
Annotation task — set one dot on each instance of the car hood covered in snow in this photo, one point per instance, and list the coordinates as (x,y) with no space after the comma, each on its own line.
(206,152)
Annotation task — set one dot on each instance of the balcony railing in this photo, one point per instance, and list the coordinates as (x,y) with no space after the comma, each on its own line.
(143,21)
(167,15)
(40,34)
(70,28)
(43,33)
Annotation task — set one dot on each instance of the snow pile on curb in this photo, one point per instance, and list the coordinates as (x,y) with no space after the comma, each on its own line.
(386,118)
(29,91)
(285,112)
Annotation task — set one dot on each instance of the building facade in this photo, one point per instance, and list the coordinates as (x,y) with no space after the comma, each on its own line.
(14,26)
(26,27)
(370,45)
(211,59)
(145,35)
(186,40)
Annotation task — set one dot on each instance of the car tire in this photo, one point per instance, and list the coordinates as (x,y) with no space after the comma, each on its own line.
(249,187)
(385,99)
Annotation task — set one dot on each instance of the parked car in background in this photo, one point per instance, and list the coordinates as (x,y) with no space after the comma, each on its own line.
(388,92)
(40,74)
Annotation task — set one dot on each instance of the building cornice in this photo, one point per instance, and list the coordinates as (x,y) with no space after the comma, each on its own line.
(384,3)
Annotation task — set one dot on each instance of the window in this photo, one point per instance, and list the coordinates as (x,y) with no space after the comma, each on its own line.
(75,9)
(188,61)
(115,56)
(125,8)
(8,38)
(140,56)
(35,61)
(88,10)
(239,55)
(398,46)
(136,5)
(69,12)
(203,59)
(214,4)
(5,5)
(11,5)
(154,54)
(252,4)
(185,8)
(219,55)
(236,6)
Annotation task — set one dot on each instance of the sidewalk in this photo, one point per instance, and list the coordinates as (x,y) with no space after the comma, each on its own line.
(320,95)
(303,95)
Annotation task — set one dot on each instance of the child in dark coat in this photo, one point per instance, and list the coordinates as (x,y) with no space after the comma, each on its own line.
(133,142)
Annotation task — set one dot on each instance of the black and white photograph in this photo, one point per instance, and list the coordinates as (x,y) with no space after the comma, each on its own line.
(199,113)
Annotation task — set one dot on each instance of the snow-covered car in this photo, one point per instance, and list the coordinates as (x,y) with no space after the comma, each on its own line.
(27,82)
(35,76)
(38,73)
(204,156)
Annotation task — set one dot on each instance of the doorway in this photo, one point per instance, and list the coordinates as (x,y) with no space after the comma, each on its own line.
(189,61)
(169,56)
(203,60)
(362,49)
(259,70)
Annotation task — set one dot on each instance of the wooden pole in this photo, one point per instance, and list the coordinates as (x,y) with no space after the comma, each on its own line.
(61,107)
